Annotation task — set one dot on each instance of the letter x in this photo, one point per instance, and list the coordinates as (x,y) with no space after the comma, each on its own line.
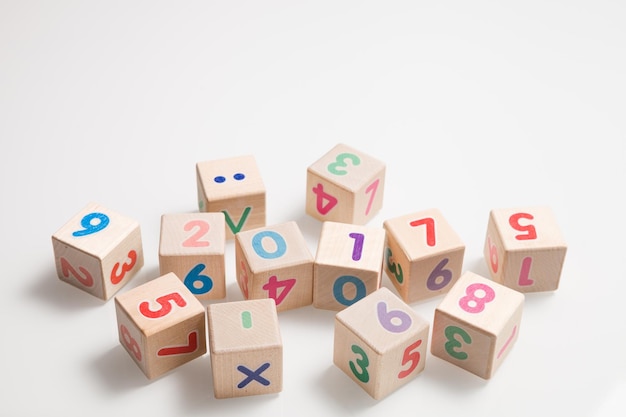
(253,375)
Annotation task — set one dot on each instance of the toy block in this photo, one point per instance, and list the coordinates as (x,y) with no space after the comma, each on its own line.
(235,187)
(345,185)
(191,245)
(275,262)
(380,343)
(476,324)
(423,255)
(524,248)
(348,264)
(98,251)
(161,324)
(246,348)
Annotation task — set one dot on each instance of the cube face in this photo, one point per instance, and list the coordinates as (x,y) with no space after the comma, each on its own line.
(233,186)
(476,324)
(345,185)
(192,247)
(348,264)
(524,248)
(245,347)
(161,325)
(275,262)
(380,343)
(98,250)
(423,255)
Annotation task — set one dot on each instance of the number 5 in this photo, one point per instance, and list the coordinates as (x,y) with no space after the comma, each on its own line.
(412,357)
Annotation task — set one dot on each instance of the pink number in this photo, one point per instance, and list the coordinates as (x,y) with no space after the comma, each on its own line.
(429,222)
(474,304)
(530,231)
(194,240)
(412,357)
(272,288)
(66,269)
(130,343)
(115,277)
(508,341)
(191,346)
(164,302)
(372,187)
(524,279)
(493,255)
(325,202)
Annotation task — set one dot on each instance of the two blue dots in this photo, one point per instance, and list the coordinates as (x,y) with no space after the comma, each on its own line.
(238,177)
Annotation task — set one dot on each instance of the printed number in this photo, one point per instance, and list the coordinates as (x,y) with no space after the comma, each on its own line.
(236,228)
(126,267)
(246,319)
(493,255)
(524,276)
(452,343)
(410,357)
(357,250)
(89,227)
(371,188)
(272,288)
(165,302)
(439,271)
(429,222)
(324,202)
(279,241)
(474,304)
(194,240)
(339,285)
(362,362)
(130,343)
(395,321)
(394,268)
(529,229)
(340,162)
(190,347)
(66,269)
(196,282)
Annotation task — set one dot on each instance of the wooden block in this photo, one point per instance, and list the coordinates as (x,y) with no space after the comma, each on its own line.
(476,324)
(424,255)
(348,264)
(524,248)
(380,343)
(275,262)
(191,245)
(345,185)
(246,348)
(161,325)
(98,251)
(235,187)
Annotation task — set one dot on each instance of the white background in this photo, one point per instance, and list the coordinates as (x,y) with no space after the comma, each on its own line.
(472,105)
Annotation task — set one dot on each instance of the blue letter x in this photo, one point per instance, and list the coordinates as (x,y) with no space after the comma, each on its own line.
(253,375)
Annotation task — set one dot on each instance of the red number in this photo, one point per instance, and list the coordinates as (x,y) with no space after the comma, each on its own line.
(429,222)
(130,343)
(272,288)
(164,302)
(115,277)
(66,269)
(524,276)
(372,187)
(412,357)
(191,346)
(530,231)
(325,202)
(194,240)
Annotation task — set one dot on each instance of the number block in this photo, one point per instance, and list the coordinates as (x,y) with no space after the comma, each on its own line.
(161,324)
(345,185)
(524,248)
(476,324)
(246,348)
(98,250)
(424,255)
(380,343)
(275,262)
(233,186)
(191,245)
(348,264)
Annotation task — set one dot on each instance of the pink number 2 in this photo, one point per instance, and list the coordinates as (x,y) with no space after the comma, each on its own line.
(194,240)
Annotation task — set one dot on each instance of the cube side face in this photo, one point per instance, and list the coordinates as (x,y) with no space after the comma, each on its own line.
(123,262)
(328,201)
(397,265)
(78,268)
(131,338)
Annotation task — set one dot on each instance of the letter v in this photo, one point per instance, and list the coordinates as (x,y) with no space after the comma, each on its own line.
(236,228)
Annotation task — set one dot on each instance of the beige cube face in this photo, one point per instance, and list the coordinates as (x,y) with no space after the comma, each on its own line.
(192,246)
(524,248)
(476,324)
(345,185)
(233,186)
(246,348)
(98,250)
(423,255)
(161,325)
(380,343)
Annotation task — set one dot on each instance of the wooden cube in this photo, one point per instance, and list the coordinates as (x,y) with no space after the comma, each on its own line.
(476,324)
(246,348)
(191,245)
(345,185)
(423,254)
(161,324)
(380,343)
(348,264)
(98,250)
(524,248)
(233,186)
(275,262)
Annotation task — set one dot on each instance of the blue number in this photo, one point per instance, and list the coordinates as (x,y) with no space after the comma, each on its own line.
(257,244)
(341,282)
(194,277)
(89,227)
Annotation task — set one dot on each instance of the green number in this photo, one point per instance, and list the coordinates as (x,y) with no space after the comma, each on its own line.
(453,343)
(362,362)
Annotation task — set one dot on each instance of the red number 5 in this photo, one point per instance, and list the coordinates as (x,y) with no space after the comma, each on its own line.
(412,357)
(164,302)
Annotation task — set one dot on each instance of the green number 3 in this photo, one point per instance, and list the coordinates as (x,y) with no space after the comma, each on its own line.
(453,343)
(340,162)
(363,362)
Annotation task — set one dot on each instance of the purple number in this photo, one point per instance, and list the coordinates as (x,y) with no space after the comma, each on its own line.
(395,321)
(358,245)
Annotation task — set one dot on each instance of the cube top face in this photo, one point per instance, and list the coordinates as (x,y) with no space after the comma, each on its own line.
(230,178)
(192,234)
(525,228)
(243,325)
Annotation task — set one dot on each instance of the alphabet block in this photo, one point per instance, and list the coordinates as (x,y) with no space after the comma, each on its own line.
(348,264)
(476,324)
(246,348)
(98,251)
(424,255)
(380,343)
(275,262)
(525,249)
(235,187)
(161,324)
(345,185)
(191,245)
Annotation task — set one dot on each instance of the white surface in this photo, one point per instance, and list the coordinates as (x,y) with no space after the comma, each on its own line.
(472,106)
